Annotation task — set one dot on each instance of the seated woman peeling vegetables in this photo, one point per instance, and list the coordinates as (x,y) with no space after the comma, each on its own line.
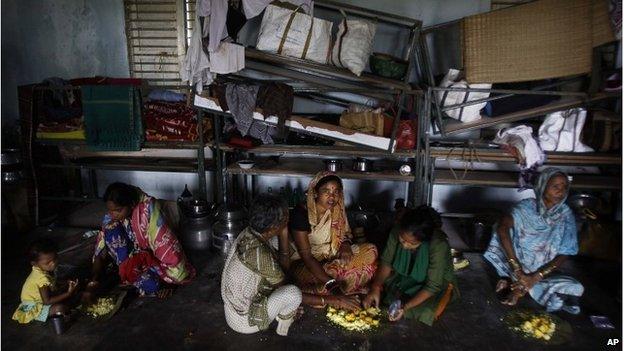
(134,234)
(416,268)
(532,242)
(326,260)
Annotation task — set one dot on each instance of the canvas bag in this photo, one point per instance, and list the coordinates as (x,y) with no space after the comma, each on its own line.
(363,119)
(447,98)
(561,131)
(293,33)
(354,44)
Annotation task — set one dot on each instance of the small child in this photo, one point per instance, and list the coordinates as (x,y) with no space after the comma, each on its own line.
(37,296)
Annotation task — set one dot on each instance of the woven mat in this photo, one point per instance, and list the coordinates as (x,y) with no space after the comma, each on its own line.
(539,40)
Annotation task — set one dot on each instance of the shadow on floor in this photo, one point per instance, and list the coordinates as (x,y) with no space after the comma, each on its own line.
(193,317)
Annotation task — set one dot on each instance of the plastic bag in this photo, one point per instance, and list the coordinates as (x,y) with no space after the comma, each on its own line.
(406,135)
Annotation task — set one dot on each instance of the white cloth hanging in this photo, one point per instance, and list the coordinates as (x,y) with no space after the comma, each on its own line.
(561,131)
(521,137)
(229,58)
(252,8)
(215,13)
(195,66)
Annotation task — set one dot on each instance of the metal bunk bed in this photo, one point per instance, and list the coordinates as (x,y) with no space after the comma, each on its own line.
(315,81)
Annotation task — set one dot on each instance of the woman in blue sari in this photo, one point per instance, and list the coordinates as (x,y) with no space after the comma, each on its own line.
(529,244)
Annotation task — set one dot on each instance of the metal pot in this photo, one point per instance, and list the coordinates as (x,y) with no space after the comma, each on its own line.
(230,222)
(197,225)
(333,165)
(197,232)
(586,206)
(457,256)
(361,164)
(198,208)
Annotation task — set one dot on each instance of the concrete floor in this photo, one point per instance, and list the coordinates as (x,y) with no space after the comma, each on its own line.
(193,317)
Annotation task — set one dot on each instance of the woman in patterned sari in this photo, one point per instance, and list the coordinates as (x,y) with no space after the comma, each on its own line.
(326,260)
(532,242)
(134,234)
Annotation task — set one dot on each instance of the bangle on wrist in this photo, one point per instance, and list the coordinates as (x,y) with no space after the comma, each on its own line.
(331,281)
(515,266)
(323,301)
(540,274)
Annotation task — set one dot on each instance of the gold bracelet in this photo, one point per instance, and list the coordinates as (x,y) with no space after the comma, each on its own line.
(514,264)
(547,270)
(323,301)
(540,274)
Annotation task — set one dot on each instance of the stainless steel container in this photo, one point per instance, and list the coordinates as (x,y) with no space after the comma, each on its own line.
(230,222)
(197,233)
(361,164)
(333,165)
(197,226)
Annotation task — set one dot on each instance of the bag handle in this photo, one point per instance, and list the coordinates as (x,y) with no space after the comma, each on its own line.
(287,29)
(306,46)
(346,29)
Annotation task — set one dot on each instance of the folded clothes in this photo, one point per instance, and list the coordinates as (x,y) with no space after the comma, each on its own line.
(171,121)
(166,95)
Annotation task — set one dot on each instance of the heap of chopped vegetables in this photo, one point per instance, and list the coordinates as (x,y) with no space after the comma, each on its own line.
(103,306)
(355,321)
(540,326)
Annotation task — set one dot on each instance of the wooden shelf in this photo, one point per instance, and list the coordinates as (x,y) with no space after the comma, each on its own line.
(454,127)
(552,158)
(510,180)
(319,151)
(309,169)
(151,164)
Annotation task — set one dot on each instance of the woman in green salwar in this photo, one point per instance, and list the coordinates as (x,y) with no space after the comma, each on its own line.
(416,267)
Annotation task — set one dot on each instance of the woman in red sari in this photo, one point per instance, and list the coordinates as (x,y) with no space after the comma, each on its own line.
(135,235)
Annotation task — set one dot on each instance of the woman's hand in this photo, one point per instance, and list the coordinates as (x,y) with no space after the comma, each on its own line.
(345,253)
(72,285)
(350,303)
(398,315)
(372,298)
(527,282)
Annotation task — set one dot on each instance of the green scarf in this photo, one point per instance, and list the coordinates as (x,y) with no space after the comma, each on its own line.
(410,269)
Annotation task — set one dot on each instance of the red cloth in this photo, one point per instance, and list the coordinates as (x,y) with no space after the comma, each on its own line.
(170,121)
(131,269)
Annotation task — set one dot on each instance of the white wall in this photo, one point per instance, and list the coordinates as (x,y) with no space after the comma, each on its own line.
(74,38)
(59,38)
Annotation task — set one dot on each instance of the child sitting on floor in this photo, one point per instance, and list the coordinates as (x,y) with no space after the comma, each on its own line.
(38,298)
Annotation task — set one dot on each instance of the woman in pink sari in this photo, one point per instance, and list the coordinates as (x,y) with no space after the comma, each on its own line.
(135,235)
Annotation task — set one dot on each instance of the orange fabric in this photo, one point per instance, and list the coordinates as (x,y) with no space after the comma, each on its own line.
(355,275)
